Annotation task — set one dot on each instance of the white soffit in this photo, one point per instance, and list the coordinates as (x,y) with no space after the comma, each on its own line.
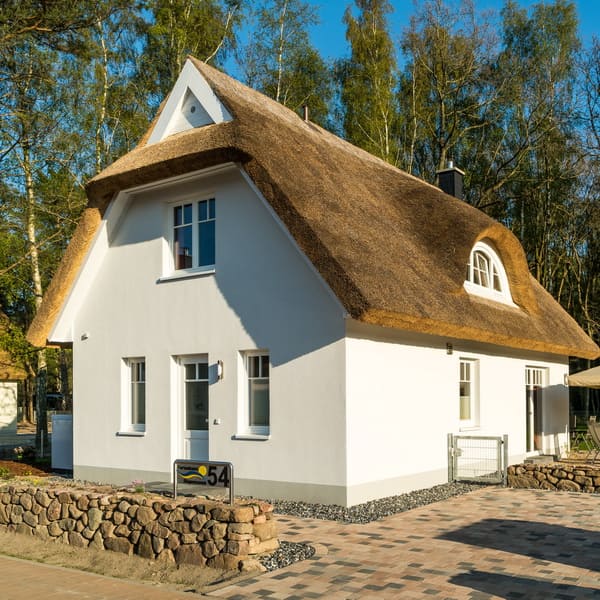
(191,104)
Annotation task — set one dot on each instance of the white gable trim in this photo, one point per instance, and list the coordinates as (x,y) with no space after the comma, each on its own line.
(190,90)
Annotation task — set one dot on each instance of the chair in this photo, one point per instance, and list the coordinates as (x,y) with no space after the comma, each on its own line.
(594,432)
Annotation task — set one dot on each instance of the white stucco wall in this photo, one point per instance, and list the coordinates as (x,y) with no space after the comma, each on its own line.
(8,407)
(263,295)
(403,400)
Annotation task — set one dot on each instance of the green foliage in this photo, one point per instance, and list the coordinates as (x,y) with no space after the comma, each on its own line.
(178,28)
(281,62)
(368,81)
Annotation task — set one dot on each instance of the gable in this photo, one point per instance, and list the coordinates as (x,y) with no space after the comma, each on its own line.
(191,104)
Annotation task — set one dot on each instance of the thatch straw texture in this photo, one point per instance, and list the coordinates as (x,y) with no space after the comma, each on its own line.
(393,248)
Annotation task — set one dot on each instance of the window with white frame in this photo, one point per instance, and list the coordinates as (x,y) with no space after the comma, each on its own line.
(468,393)
(257,403)
(134,413)
(193,234)
(486,275)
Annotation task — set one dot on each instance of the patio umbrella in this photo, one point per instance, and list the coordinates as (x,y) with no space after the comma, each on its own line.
(589,378)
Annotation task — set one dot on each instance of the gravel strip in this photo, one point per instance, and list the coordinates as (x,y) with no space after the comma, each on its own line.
(375,509)
(291,552)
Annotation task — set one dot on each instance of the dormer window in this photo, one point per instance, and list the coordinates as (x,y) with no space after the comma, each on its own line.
(486,275)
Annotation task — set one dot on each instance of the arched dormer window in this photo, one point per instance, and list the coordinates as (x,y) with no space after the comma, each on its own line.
(486,275)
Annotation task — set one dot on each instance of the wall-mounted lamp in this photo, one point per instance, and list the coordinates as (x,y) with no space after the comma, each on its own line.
(85,335)
(449,348)
(219,370)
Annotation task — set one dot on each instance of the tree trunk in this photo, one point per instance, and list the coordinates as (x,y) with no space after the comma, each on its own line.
(41,429)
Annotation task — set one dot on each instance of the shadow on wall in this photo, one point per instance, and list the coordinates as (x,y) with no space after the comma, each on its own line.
(511,586)
(542,541)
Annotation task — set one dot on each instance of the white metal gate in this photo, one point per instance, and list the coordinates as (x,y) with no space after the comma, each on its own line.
(482,459)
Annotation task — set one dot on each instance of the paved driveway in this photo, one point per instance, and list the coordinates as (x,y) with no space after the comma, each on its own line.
(493,543)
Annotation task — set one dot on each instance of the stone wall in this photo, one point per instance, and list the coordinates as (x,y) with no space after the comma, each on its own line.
(555,476)
(193,531)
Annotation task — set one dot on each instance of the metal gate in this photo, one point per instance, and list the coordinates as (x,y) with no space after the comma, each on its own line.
(482,459)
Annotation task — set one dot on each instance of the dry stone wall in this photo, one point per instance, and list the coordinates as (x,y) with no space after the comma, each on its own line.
(555,476)
(192,531)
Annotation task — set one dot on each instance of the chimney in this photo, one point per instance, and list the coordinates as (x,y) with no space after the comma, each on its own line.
(450,180)
(305,112)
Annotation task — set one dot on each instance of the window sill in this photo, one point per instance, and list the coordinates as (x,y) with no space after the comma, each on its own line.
(257,437)
(130,434)
(187,274)
(469,428)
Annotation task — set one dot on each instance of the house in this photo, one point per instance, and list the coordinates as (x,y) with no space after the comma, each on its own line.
(245,286)
(10,375)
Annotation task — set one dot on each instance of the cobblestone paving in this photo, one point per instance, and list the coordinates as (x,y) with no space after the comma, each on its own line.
(492,543)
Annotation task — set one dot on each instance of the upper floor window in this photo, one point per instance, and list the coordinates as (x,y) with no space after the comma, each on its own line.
(486,275)
(194,234)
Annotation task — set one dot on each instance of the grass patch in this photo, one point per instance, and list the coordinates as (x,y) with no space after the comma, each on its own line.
(111,564)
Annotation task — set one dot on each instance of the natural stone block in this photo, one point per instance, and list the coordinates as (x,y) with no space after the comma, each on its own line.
(209,549)
(239,528)
(107,529)
(134,536)
(77,540)
(265,531)
(118,518)
(54,529)
(53,510)
(26,501)
(190,554)
(224,561)
(16,514)
(118,544)
(198,522)
(239,548)
(263,547)
(157,544)
(145,514)
(568,485)
(67,524)
(94,518)
(251,565)
(243,514)
(30,519)
(158,530)
(173,541)
(122,531)
(166,556)
(145,548)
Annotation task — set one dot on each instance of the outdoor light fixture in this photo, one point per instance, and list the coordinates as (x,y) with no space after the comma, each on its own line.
(449,348)
(85,335)
(219,370)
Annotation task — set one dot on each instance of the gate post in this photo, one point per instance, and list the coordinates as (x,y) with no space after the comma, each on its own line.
(505,461)
(450,458)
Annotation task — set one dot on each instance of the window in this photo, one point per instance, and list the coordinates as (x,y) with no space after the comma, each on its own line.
(194,234)
(486,275)
(135,409)
(257,399)
(468,393)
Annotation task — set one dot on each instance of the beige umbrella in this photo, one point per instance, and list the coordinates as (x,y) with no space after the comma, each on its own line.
(589,378)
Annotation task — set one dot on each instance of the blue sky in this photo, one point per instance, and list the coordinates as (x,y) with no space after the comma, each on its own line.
(329,36)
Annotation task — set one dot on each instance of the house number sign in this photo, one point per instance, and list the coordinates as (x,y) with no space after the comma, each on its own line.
(205,473)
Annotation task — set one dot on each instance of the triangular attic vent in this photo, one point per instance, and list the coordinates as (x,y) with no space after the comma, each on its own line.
(191,104)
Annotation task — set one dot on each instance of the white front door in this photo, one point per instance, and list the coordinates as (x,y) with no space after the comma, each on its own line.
(195,407)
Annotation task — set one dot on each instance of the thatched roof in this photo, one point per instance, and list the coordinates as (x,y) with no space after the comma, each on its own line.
(393,248)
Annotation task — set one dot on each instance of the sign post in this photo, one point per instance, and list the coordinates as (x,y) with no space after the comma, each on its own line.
(201,472)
